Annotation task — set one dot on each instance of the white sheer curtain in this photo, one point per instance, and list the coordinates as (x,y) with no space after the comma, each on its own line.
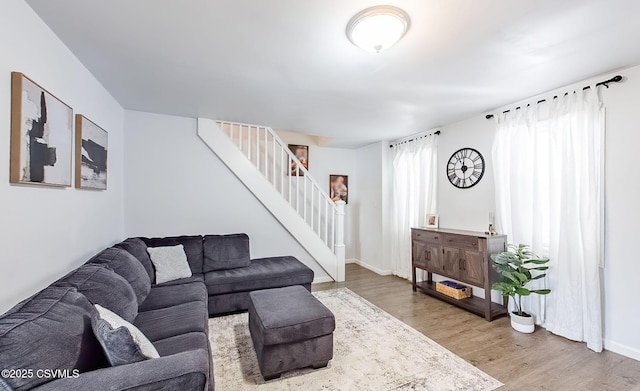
(414,195)
(549,173)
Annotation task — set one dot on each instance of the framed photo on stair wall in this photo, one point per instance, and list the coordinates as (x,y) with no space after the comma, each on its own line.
(91,155)
(302,153)
(339,188)
(41,135)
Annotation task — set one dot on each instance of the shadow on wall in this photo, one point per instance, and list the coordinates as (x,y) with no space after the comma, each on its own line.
(356,242)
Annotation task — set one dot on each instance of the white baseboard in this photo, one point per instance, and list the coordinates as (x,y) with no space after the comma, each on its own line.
(320,280)
(624,350)
(370,267)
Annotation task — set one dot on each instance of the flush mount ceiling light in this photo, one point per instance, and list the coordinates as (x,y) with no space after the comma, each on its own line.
(378,28)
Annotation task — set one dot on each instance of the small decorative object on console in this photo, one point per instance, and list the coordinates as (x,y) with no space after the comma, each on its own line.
(453,289)
(492,226)
(432,221)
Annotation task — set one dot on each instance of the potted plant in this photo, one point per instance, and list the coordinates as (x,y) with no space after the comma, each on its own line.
(519,266)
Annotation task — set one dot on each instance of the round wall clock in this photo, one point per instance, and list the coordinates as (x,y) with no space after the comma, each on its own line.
(465,168)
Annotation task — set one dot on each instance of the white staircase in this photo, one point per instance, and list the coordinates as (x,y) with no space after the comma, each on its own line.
(266,166)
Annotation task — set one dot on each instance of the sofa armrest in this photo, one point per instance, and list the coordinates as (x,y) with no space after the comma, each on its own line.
(185,371)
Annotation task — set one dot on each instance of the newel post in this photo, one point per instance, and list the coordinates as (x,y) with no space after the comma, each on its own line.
(339,249)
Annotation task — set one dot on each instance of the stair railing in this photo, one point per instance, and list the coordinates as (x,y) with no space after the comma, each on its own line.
(282,168)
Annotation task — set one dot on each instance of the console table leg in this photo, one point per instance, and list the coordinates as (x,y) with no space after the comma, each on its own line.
(413,278)
(487,302)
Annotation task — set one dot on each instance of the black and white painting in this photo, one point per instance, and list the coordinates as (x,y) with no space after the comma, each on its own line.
(91,155)
(41,135)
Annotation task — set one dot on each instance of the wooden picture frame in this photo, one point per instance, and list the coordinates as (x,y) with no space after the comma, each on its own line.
(302,153)
(41,135)
(91,155)
(339,188)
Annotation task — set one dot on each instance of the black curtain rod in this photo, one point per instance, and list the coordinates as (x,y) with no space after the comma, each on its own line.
(615,79)
(437,132)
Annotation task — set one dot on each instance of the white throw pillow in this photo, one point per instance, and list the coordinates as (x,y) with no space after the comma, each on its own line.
(117,347)
(170,263)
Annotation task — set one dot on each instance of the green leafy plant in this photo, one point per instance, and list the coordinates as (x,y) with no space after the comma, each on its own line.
(516,266)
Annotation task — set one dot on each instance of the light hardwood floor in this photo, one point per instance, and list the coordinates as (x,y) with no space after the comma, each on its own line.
(539,361)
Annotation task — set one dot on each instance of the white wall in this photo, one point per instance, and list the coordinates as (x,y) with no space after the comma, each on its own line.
(468,209)
(175,185)
(46,231)
(369,207)
(622,263)
(323,162)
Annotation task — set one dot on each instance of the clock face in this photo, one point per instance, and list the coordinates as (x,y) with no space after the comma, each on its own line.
(465,168)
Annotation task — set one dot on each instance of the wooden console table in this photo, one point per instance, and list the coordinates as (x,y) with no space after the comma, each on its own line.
(463,256)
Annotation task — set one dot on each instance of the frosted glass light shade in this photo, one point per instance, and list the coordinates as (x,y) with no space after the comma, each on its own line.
(378,28)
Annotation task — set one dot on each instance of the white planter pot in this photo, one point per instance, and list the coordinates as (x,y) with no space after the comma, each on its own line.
(523,324)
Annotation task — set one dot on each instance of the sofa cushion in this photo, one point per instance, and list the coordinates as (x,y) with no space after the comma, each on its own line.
(50,330)
(171,321)
(128,267)
(4,386)
(182,343)
(162,296)
(226,252)
(138,248)
(181,281)
(192,247)
(160,374)
(103,286)
(228,303)
(289,314)
(263,273)
(170,263)
(122,342)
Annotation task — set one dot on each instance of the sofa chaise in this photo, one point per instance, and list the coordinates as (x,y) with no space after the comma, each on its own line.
(52,330)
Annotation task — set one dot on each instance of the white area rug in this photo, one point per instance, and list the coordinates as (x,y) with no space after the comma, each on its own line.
(372,351)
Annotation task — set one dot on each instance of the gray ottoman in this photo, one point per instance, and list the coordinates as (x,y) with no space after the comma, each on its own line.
(290,329)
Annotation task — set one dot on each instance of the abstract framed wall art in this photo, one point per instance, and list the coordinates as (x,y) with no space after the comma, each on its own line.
(41,135)
(91,155)
(338,188)
(302,153)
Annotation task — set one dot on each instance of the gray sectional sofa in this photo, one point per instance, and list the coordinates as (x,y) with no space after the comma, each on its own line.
(52,329)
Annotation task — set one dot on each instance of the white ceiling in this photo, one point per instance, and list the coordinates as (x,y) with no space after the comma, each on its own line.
(288,64)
